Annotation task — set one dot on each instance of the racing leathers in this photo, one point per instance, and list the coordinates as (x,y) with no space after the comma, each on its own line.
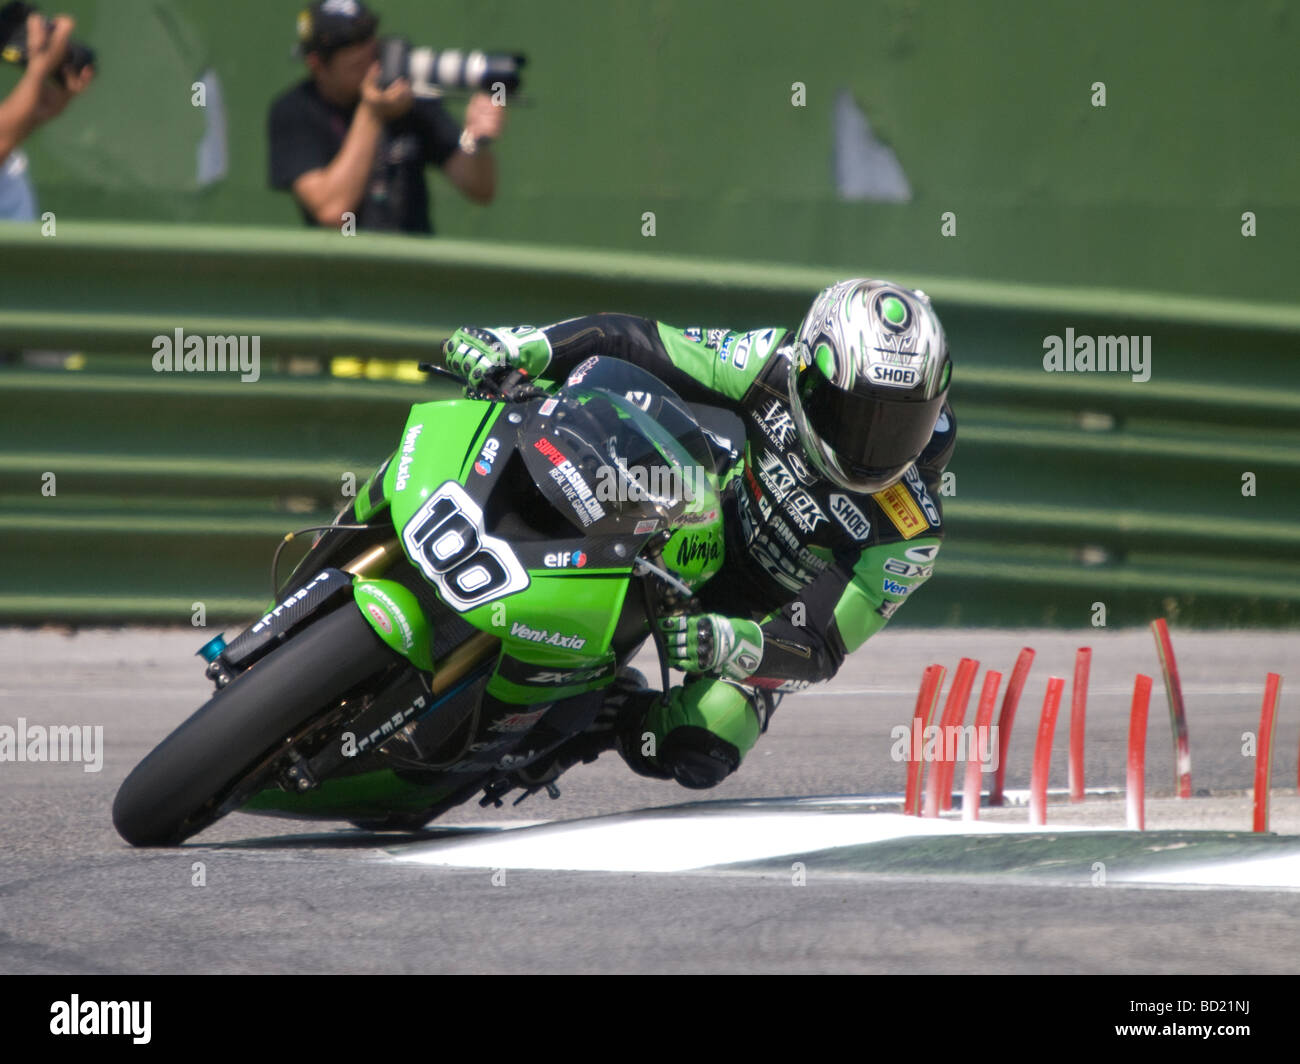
(820,569)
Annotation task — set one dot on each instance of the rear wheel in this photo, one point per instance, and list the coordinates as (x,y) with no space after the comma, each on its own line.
(184,784)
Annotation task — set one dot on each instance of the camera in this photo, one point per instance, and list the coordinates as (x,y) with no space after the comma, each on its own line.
(13,40)
(432,72)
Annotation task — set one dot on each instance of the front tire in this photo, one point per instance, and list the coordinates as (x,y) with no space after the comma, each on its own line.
(175,791)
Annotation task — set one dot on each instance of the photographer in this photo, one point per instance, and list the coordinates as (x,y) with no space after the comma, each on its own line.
(42,93)
(341,143)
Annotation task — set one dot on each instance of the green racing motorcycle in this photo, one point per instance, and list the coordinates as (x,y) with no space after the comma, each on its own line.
(519,543)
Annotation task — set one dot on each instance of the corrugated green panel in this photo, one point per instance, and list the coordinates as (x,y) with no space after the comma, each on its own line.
(1067,488)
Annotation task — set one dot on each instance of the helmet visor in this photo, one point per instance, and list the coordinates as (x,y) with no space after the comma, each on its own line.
(873,440)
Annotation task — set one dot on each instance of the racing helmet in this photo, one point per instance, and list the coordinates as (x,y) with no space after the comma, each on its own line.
(869,375)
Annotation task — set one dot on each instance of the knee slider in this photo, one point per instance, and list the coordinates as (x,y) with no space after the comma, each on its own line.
(697,758)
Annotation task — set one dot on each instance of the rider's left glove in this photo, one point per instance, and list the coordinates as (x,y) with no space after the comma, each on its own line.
(471,352)
(709,642)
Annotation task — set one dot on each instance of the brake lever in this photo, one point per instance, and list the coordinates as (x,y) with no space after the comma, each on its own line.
(442,371)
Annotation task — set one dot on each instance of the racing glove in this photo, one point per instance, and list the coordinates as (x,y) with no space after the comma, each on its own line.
(471,352)
(729,647)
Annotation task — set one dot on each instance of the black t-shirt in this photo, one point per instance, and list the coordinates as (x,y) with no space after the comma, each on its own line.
(307,132)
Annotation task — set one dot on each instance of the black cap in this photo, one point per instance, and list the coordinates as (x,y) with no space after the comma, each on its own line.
(328,25)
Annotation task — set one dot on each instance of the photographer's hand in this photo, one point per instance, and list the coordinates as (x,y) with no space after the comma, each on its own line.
(47,51)
(386,104)
(472,169)
(37,98)
(483,118)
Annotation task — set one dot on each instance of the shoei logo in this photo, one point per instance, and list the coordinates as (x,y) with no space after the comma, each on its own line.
(894,376)
(565,559)
(854,520)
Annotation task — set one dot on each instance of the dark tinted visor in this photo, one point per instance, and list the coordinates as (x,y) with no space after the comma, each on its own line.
(872,438)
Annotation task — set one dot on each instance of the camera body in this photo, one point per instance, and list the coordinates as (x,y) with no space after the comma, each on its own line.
(13,39)
(432,72)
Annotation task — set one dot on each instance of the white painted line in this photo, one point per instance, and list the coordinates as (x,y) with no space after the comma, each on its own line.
(1282,871)
(679,842)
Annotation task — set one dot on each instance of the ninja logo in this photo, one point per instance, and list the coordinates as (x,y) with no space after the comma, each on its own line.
(693,549)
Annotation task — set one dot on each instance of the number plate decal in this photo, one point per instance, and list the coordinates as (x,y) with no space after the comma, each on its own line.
(446,539)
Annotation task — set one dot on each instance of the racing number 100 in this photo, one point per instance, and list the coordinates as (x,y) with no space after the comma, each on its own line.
(446,539)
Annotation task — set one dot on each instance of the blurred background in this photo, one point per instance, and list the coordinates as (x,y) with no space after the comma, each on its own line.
(955,146)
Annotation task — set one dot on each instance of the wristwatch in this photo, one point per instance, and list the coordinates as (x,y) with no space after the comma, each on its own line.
(469,143)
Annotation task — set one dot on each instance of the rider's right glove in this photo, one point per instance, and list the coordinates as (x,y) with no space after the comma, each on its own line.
(711,643)
(471,352)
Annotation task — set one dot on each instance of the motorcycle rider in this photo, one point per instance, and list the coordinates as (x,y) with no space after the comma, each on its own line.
(835,521)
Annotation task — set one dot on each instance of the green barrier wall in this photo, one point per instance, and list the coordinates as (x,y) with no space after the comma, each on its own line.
(684,108)
(1070,489)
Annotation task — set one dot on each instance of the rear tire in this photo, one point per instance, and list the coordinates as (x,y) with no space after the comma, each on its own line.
(173,793)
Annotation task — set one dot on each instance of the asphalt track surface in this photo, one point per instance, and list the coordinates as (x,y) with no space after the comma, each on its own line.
(280,896)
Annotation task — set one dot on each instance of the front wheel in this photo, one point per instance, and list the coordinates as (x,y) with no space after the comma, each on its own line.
(178,790)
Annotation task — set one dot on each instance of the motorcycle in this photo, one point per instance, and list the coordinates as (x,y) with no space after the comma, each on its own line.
(519,542)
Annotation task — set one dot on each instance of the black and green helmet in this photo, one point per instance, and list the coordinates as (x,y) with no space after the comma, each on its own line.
(868,379)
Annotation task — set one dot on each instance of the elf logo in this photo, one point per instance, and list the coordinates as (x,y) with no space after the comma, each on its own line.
(565,559)
(487,456)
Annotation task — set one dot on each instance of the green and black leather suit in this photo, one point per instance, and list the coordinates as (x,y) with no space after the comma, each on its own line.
(821,568)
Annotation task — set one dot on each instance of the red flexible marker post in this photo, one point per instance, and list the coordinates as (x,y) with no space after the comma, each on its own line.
(961,688)
(1264,749)
(926,699)
(970,802)
(1177,711)
(1043,751)
(940,774)
(1008,717)
(1135,790)
(1078,709)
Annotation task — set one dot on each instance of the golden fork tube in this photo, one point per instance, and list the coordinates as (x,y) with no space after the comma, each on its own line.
(462,659)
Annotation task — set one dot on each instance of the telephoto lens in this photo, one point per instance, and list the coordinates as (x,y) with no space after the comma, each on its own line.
(433,71)
(13,40)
